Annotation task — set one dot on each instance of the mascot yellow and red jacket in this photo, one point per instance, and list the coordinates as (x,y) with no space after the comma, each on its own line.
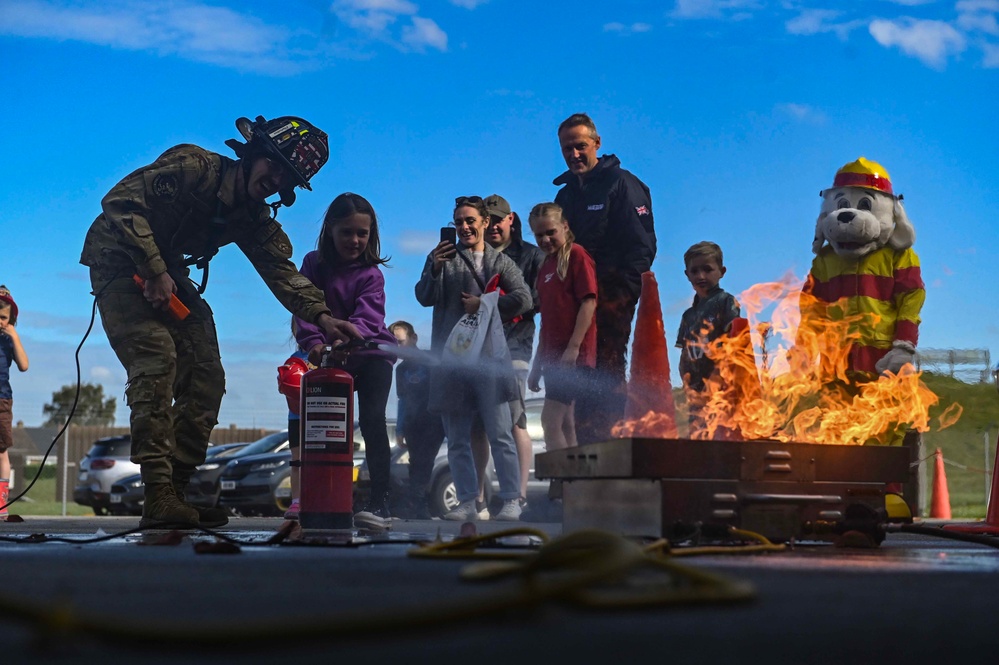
(866,270)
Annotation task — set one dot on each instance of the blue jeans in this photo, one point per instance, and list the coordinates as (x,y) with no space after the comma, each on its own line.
(496,422)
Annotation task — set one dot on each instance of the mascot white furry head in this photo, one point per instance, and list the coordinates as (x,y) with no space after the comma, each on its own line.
(860,213)
(865,263)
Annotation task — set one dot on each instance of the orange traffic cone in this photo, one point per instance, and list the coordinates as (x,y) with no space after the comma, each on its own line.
(940,503)
(650,395)
(991,524)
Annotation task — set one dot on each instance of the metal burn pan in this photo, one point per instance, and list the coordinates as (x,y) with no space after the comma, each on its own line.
(659,487)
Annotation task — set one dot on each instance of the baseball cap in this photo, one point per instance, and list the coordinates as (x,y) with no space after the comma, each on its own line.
(497,206)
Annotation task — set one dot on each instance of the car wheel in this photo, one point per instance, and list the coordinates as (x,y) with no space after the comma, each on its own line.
(282,495)
(443,495)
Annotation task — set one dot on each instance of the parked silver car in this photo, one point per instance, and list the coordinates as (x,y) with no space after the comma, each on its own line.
(105,463)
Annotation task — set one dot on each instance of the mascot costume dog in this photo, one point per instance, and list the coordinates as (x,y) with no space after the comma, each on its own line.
(865,268)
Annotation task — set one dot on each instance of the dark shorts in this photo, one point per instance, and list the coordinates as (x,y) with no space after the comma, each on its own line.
(566,384)
(6,422)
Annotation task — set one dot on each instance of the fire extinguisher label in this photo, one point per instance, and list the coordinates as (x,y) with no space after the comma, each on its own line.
(326,423)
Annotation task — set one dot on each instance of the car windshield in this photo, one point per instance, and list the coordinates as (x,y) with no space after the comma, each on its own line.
(229,452)
(112,448)
(264,445)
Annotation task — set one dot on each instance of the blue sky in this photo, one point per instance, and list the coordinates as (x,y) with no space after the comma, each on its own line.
(734,112)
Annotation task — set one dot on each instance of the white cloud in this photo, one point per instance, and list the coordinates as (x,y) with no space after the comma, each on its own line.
(711,8)
(978,16)
(190,30)
(424,32)
(622,29)
(990,58)
(816,21)
(912,3)
(802,113)
(371,16)
(468,4)
(932,42)
(101,373)
(377,19)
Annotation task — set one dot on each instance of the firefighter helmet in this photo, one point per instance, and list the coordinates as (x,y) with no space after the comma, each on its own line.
(864,173)
(298,145)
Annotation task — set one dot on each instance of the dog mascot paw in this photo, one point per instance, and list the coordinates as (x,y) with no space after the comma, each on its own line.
(865,268)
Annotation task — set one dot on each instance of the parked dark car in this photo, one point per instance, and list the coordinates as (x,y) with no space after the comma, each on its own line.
(261,484)
(127,494)
(203,490)
(249,484)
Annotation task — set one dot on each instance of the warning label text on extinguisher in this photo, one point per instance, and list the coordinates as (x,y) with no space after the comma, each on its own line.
(325,420)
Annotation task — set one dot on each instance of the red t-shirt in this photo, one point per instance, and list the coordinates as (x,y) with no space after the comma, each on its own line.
(560,301)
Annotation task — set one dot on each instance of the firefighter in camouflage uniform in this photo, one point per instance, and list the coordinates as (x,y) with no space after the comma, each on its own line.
(156,223)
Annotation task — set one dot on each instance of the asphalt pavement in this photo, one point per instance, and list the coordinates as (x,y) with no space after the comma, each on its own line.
(158,597)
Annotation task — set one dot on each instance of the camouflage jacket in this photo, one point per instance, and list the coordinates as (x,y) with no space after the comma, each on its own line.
(163,212)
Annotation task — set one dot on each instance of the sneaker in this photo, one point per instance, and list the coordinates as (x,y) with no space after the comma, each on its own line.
(293,510)
(482,508)
(510,512)
(375,515)
(465,512)
(371,521)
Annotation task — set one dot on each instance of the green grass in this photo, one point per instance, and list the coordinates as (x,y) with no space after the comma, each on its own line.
(41,499)
(964,442)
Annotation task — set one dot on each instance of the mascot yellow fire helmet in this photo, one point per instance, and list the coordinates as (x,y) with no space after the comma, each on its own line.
(864,173)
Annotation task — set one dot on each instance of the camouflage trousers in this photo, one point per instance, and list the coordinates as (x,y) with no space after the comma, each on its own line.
(175,377)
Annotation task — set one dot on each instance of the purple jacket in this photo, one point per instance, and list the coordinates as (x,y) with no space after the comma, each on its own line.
(354,292)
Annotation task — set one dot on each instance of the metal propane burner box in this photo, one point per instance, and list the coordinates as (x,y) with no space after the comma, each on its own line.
(665,487)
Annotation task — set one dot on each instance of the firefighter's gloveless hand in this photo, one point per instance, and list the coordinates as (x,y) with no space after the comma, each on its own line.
(337,331)
(159,289)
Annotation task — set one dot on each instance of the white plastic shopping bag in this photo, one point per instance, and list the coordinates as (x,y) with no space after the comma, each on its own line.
(477,336)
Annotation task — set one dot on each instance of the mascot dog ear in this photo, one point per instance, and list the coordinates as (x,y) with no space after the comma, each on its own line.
(820,238)
(904,234)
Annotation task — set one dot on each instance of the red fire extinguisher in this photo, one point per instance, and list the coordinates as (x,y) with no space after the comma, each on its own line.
(327,440)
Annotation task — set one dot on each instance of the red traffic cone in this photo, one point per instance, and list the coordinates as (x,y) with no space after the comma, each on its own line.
(991,524)
(650,396)
(940,503)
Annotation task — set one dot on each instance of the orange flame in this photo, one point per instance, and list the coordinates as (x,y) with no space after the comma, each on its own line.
(792,381)
(788,378)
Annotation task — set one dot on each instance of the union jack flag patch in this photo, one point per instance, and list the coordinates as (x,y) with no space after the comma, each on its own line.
(642,210)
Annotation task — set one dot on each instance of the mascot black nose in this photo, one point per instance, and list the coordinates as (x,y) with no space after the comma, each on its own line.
(846,216)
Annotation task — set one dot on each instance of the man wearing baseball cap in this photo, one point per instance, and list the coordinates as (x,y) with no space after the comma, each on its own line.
(505,234)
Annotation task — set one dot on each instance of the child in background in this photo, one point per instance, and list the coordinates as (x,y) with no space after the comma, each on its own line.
(706,320)
(420,431)
(567,343)
(345,266)
(11,352)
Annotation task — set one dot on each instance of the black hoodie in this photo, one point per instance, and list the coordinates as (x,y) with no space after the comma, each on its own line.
(610,214)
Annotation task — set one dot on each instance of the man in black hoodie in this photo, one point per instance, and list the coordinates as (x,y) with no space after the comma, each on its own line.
(610,213)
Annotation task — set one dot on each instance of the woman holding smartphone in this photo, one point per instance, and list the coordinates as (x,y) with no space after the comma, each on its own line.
(453,279)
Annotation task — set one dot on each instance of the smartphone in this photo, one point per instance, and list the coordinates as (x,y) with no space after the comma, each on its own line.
(449,234)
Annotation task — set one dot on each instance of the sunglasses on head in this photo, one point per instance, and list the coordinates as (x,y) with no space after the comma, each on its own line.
(462,200)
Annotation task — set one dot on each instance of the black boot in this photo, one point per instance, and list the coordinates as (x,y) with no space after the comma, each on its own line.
(209,517)
(161,506)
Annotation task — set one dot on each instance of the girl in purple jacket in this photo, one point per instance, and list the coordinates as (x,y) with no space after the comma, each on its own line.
(345,266)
